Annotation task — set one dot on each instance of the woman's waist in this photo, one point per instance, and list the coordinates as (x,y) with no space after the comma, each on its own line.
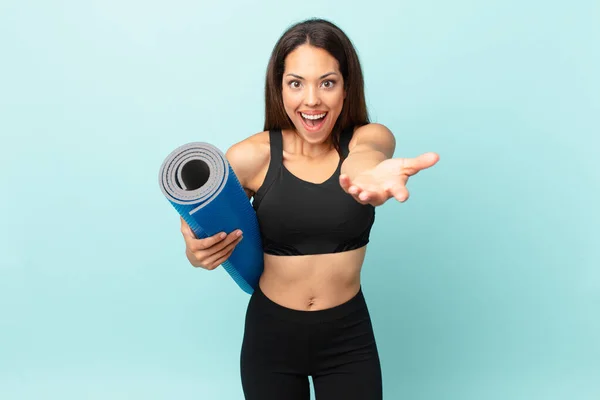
(312,282)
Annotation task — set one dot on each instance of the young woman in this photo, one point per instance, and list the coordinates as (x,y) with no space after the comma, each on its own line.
(316,174)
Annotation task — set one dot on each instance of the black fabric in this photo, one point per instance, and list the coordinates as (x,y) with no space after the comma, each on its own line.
(282,347)
(297,217)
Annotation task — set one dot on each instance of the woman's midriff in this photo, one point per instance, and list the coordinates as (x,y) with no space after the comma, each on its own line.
(312,282)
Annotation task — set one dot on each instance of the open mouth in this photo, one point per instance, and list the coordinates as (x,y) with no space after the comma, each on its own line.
(313,122)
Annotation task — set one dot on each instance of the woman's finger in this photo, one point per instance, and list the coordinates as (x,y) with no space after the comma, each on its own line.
(211,260)
(345,182)
(399,192)
(412,166)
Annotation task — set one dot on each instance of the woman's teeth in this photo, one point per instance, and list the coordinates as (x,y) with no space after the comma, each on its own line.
(316,116)
(313,122)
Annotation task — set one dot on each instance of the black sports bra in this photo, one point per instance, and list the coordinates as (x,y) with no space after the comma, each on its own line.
(297,217)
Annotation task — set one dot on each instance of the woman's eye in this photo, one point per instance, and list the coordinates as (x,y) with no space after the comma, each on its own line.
(328,84)
(294,84)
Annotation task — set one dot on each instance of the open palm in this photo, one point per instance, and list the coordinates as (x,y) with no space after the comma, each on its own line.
(387,179)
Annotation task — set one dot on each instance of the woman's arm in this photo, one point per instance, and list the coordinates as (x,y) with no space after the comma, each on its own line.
(371,175)
(370,145)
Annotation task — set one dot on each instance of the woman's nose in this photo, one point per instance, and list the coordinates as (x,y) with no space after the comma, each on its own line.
(312,98)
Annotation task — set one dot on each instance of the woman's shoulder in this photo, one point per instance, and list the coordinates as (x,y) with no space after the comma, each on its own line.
(249,149)
(249,157)
(372,132)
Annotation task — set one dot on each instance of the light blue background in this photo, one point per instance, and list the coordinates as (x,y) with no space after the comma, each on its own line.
(484,285)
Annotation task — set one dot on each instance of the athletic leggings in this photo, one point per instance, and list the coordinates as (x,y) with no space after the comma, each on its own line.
(336,346)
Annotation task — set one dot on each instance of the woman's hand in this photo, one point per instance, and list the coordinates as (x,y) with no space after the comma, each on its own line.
(210,252)
(386,180)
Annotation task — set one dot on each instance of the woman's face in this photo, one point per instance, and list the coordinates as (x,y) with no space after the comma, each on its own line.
(313,92)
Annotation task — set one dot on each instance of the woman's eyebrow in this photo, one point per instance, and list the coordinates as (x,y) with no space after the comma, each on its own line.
(321,77)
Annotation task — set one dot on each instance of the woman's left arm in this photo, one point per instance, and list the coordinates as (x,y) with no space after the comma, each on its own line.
(371,175)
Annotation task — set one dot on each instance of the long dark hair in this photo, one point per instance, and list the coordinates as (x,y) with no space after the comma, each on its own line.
(325,35)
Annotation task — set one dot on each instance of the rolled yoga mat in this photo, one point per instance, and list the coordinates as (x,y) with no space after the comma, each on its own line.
(198,181)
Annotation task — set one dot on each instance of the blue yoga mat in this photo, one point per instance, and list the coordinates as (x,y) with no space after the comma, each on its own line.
(199,182)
